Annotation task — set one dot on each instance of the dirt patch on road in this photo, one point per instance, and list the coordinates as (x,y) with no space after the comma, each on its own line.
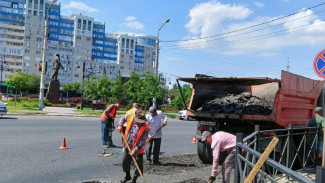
(174,164)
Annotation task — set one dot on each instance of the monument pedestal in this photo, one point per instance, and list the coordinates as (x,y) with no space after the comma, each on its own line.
(53,93)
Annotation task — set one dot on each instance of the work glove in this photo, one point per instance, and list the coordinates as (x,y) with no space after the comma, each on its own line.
(212,179)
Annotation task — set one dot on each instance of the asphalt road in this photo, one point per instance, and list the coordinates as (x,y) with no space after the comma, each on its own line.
(29,150)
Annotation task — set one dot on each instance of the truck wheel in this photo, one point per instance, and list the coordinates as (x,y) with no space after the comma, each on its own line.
(205,153)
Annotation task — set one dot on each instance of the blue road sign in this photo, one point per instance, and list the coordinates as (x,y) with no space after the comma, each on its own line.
(319,64)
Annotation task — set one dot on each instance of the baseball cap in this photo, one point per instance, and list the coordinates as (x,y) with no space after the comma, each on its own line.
(318,110)
(140,117)
(205,135)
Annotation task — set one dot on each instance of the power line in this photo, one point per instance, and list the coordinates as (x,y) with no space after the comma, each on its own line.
(256,30)
(273,20)
(236,42)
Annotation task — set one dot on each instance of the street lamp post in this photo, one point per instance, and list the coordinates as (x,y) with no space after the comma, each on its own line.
(41,95)
(2,62)
(154,103)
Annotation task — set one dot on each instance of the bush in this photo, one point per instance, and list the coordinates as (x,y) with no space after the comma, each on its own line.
(76,100)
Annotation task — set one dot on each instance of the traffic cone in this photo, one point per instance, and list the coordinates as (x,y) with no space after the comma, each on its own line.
(194,140)
(63,145)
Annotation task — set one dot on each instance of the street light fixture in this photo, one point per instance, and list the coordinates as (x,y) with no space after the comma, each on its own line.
(41,95)
(154,103)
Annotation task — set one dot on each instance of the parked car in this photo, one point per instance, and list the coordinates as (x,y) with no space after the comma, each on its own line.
(3,108)
(182,115)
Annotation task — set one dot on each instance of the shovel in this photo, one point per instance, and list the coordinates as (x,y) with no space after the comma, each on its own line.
(134,160)
(155,133)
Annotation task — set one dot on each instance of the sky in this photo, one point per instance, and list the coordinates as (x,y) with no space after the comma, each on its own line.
(221,38)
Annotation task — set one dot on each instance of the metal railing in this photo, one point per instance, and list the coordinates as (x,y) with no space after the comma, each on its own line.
(293,153)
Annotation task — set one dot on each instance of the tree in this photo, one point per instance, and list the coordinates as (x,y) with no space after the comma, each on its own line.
(178,100)
(142,88)
(33,83)
(19,81)
(118,91)
(98,89)
(72,88)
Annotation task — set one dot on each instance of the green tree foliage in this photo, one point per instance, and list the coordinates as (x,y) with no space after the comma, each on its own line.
(178,100)
(19,81)
(142,88)
(98,89)
(118,91)
(33,83)
(72,88)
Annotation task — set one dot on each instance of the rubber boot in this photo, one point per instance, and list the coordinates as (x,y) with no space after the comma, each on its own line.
(134,179)
(126,178)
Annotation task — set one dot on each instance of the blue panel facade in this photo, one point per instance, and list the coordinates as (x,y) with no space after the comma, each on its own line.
(54,21)
(12,11)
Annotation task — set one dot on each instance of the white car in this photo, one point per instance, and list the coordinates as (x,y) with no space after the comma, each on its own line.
(182,115)
(3,108)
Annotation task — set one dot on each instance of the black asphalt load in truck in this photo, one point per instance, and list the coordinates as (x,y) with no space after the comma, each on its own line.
(238,104)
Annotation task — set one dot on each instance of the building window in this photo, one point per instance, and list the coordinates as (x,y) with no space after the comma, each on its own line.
(89,25)
(84,25)
(79,24)
(122,67)
(127,43)
(123,42)
(132,44)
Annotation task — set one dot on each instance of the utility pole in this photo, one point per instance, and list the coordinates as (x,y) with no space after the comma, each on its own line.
(2,62)
(154,102)
(288,65)
(41,95)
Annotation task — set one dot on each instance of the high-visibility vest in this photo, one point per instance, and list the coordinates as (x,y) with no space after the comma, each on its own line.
(129,124)
(140,132)
(129,111)
(112,114)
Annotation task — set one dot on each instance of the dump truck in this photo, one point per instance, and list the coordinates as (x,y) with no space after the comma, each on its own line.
(236,104)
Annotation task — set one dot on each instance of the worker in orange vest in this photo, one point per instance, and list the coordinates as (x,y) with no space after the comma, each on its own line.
(136,134)
(135,107)
(107,124)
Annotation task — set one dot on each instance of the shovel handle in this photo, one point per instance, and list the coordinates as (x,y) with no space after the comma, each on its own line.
(155,133)
(134,160)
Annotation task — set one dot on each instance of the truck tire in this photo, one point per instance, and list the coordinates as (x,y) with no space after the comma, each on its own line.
(205,153)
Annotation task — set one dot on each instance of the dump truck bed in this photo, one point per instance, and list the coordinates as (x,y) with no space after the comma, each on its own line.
(290,100)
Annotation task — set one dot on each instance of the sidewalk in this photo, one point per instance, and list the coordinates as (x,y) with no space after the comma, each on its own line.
(60,111)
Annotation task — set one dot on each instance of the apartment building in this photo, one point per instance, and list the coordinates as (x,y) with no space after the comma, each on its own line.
(85,48)
(135,53)
(12,32)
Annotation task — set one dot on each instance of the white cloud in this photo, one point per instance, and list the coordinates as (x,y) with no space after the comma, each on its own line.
(220,22)
(259,4)
(78,6)
(206,19)
(132,22)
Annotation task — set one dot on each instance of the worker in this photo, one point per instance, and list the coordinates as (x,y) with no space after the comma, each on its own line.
(221,142)
(135,107)
(154,120)
(318,119)
(136,134)
(107,124)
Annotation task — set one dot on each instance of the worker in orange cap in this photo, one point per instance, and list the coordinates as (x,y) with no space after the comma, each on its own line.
(107,124)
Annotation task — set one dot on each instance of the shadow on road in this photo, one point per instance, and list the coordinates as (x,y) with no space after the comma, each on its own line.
(8,118)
